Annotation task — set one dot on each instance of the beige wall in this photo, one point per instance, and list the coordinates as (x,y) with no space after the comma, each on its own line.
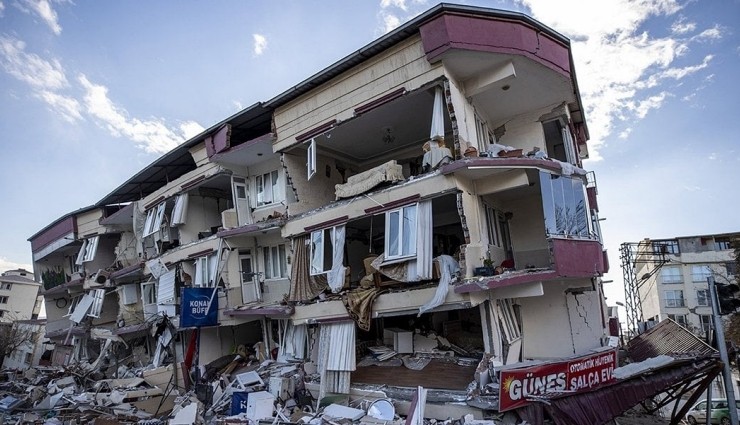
(89,223)
(403,65)
(320,190)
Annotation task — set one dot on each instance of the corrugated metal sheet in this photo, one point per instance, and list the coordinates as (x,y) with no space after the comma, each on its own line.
(606,403)
(667,338)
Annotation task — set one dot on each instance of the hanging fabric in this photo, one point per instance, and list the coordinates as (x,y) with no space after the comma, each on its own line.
(438,122)
(303,286)
(424,240)
(335,276)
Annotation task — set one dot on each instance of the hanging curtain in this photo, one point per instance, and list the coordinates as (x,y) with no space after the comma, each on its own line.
(336,357)
(336,274)
(438,122)
(303,286)
(424,240)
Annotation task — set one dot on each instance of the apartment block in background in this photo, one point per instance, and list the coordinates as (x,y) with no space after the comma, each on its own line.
(677,287)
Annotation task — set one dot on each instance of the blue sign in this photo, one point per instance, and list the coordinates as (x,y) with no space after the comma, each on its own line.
(199,307)
(239,403)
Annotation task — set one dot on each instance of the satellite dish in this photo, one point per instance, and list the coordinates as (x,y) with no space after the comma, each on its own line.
(382,409)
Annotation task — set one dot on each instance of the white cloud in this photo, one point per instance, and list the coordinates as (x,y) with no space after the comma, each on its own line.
(692,188)
(260,44)
(190,129)
(617,61)
(43,9)
(237,105)
(401,4)
(69,108)
(712,156)
(6,264)
(711,34)
(390,22)
(152,135)
(39,73)
(682,26)
(2,8)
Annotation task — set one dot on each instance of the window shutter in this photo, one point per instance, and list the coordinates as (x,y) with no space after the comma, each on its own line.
(96,308)
(128,294)
(166,293)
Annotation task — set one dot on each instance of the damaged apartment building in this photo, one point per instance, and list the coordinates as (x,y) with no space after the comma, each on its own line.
(421,200)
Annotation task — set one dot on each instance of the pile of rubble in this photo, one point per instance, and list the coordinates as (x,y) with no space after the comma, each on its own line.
(230,390)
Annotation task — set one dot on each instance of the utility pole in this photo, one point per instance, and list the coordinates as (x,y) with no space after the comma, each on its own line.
(720,333)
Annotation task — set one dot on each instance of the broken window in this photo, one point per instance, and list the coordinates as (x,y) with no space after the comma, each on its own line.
(166,293)
(400,232)
(73,304)
(706,322)
(674,298)
(149,298)
(322,250)
(564,205)
(268,189)
(311,159)
(98,295)
(87,251)
(492,221)
(509,321)
(154,219)
(274,258)
(3,299)
(241,201)
(180,210)
(670,274)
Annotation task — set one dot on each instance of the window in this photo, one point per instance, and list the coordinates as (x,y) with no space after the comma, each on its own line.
(702,297)
(671,274)
(154,219)
(87,251)
(275,262)
(400,233)
(268,191)
(665,247)
(494,237)
(678,318)
(128,294)
(180,210)
(564,204)
(3,299)
(721,244)
(98,296)
(509,320)
(6,285)
(731,269)
(149,293)
(706,322)
(311,159)
(73,304)
(2,313)
(674,298)
(700,273)
(205,271)
(483,134)
(322,250)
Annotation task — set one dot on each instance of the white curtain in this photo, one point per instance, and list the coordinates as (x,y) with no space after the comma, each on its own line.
(180,210)
(336,274)
(438,121)
(424,240)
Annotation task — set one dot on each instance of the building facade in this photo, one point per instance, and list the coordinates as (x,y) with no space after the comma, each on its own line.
(677,286)
(428,186)
(19,296)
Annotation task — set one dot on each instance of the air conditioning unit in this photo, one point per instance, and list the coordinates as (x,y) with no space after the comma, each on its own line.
(229,219)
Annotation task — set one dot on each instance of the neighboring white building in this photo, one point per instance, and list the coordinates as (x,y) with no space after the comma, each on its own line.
(30,351)
(19,296)
(678,288)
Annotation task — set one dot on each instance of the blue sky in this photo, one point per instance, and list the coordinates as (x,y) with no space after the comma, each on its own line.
(93,91)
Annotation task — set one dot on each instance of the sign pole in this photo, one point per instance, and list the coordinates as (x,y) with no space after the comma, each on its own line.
(720,333)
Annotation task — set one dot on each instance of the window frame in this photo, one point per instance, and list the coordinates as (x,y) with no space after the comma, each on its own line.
(700,277)
(311,159)
(97,306)
(675,301)
(684,321)
(705,297)
(492,222)
(262,182)
(154,217)
(73,304)
(3,299)
(319,238)
(87,250)
(267,254)
(678,275)
(401,230)
(509,320)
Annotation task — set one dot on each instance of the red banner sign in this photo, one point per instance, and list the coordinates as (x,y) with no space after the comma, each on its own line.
(518,386)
